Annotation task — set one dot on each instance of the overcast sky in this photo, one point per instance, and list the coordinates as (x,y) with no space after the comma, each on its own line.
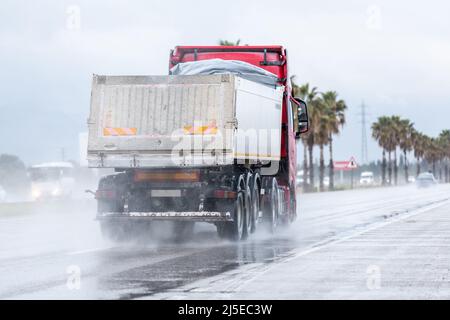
(393,56)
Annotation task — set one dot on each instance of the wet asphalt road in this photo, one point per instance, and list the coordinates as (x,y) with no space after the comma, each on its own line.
(55,251)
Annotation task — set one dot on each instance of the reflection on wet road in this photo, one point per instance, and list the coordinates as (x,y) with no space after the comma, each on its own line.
(174,272)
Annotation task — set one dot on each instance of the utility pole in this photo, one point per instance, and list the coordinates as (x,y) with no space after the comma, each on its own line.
(364,152)
(63,154)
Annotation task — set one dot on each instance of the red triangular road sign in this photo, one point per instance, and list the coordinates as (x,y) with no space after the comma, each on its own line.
(352,163)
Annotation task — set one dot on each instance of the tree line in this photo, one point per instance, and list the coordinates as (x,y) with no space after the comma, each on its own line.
(327,117)
(394,134)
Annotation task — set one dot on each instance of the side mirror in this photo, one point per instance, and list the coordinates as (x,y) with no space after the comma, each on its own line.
(302,117)
(90,191)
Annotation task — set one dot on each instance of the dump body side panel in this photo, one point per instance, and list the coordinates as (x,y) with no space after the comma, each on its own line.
(258,113)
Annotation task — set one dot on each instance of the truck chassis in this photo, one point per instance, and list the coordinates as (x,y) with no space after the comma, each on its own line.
(235,199)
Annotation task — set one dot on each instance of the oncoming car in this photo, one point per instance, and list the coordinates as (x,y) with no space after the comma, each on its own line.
(425,179)
(51,180)
(366,178)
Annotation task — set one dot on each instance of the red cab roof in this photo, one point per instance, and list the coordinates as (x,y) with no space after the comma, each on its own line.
(271,58)
(186,49)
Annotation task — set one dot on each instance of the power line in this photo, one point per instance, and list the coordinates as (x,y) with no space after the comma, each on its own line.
(364,150)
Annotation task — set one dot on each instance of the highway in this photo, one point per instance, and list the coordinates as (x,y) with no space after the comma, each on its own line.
(377,243)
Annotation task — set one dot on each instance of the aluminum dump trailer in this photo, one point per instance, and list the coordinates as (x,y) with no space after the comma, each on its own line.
(214,141)
(182,121)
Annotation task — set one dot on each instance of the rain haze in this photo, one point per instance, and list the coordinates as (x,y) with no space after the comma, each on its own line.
(393,56)
(196,185)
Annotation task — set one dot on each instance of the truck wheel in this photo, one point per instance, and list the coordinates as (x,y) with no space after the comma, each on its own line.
(234,230)
(271,213)
(255,207)
(285,215)
(114,231)
(293,206)
(183,230)
(139,231)
(221,230)
(248,212)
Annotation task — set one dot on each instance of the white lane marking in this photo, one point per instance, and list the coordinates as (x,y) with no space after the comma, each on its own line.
(330,242)
(89,250)
(350,210)
(236,280)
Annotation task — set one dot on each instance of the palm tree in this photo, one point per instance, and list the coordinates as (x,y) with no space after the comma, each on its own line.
(396,124)
(229,43)
(406,130)
(419,140)
(380,132)
(431,152)
(321,135)
(335,109)
(390,146)
(309,95)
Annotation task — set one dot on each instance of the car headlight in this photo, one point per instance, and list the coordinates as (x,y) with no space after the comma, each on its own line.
(36,193)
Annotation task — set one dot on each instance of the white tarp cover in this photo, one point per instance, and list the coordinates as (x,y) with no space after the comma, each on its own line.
(218,66)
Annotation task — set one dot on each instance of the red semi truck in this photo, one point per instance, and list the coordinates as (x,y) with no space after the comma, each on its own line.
(214,141)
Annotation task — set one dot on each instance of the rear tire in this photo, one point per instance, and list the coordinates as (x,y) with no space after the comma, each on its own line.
(293,206)
(221,230)
(115,231)
(183,230)
(248,213)
(255,207)
(271,212)
(234,230)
